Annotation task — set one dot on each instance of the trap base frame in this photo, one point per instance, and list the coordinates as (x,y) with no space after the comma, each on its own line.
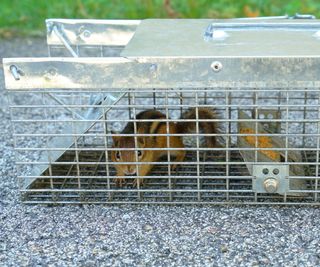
(210,72)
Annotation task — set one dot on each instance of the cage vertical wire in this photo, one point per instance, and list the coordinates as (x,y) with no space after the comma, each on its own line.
(67,112)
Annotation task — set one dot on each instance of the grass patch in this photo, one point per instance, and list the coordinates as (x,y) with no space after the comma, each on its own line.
(27,16)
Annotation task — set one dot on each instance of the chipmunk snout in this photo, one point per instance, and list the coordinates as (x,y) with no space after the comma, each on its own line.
(131,170)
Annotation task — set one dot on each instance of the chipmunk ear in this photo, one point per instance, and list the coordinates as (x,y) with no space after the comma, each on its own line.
(115,138)
(142,141)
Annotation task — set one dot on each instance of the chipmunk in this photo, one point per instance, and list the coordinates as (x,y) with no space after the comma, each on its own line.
(157,127)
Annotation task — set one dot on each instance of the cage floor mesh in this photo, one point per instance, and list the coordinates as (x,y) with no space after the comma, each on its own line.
(92,183)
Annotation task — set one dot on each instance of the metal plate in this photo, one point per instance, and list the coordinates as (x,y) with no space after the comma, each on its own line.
(185,37)
(91,32)
(95,73)
(262,173)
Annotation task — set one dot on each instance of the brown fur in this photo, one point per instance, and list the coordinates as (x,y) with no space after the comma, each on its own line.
(157,127)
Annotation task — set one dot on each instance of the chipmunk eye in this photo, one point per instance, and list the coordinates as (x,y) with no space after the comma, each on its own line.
(118,156)
(139,153)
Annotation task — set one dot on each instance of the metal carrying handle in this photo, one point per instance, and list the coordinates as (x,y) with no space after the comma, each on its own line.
(296,16)
(218,30)
(263,26)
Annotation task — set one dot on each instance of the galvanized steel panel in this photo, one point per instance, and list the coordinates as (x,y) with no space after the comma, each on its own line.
(93,73)
(263,38)
(91,32)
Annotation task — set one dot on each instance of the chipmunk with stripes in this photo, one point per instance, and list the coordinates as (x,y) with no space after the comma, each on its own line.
(156,123)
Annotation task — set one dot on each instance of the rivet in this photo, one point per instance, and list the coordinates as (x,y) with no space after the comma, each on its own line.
(216,66)
(86,33)
(276,171)
(153,67)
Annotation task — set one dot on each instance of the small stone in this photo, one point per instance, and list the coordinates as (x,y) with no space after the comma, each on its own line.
(3,246)
(265,261)
(166,251)
(95,251)
(148,228)
(105,248)
(255,264)
(224,249)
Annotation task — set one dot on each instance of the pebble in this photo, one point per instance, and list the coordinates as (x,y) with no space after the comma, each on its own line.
(224,249)
(148,228)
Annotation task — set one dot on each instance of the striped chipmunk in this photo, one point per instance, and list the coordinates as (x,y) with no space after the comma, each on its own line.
(131,169)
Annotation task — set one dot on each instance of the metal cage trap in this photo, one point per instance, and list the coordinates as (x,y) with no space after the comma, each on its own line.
(258,84)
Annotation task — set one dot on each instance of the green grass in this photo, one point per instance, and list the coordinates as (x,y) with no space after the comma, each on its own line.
(27,16)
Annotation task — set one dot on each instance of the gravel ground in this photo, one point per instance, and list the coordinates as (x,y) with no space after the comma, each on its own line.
(126,235)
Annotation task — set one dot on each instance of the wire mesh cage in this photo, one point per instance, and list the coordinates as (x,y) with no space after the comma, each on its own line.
(189,122)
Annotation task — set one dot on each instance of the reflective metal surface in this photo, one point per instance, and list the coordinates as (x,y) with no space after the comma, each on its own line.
(244,38)
(91,32)
(95,73)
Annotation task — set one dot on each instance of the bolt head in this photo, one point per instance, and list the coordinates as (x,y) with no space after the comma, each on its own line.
(53,72)
(271,185)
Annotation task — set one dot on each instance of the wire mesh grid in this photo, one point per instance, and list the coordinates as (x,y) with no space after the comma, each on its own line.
(84,172)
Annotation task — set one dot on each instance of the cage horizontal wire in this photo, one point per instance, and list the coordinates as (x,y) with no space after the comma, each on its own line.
(131,142)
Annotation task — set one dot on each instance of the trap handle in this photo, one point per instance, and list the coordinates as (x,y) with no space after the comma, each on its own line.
(222,30)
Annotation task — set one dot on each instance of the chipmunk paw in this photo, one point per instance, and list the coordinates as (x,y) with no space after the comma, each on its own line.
(137,182)
(120,182)
(174,167)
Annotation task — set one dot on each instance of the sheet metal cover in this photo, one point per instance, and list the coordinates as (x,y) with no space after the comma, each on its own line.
(185,37)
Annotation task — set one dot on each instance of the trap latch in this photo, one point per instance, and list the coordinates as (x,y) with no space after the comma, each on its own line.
(270,179)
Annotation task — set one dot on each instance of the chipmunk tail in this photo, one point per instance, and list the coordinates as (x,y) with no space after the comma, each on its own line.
(207,127)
